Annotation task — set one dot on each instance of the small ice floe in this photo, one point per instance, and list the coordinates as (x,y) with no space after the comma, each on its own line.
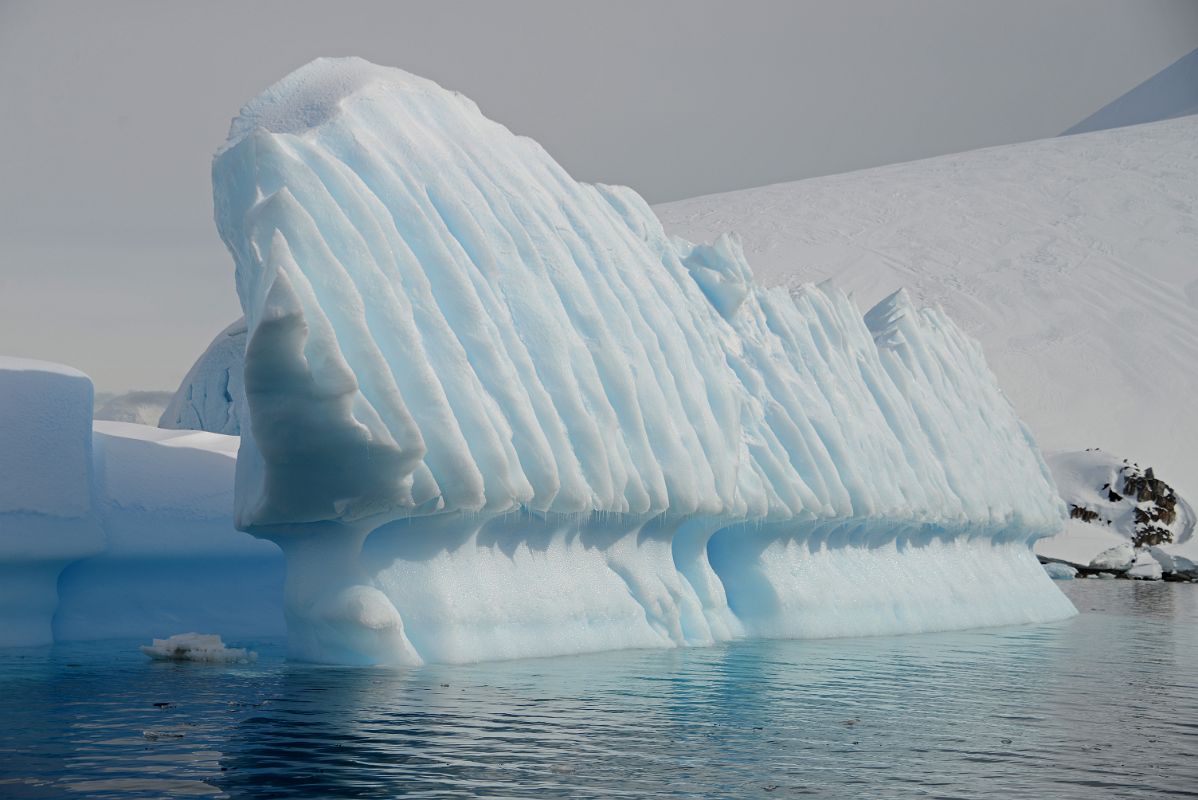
(197,647)
(160,734)
(1060,572)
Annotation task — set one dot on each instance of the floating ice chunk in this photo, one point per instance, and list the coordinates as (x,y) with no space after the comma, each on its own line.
(1145,567)
(1118,558)
(110,528)
(1173,562)
(1060,572)
(197,647)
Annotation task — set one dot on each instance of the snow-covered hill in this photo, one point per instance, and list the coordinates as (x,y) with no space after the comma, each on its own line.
(1074,260)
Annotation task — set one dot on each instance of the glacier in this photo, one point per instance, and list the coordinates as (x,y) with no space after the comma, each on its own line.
(492,412)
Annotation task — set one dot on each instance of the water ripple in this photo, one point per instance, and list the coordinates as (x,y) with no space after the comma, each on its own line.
(1103,705)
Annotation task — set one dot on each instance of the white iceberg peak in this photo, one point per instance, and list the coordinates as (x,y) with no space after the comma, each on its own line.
(312,94)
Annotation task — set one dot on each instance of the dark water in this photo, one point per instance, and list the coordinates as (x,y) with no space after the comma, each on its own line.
(1105,705)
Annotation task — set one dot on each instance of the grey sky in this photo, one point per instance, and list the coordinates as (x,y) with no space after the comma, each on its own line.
(109,260)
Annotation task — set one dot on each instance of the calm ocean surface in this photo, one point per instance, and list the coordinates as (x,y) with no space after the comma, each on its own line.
(1104,705)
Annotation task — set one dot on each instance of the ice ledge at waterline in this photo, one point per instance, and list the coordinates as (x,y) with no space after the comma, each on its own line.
(458,589)
(570,432)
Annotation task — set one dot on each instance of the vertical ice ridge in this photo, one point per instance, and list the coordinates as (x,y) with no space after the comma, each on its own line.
(431,319)
(391,323)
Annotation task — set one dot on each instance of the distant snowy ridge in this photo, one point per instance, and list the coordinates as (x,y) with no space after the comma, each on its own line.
(537,387)
(1172,92)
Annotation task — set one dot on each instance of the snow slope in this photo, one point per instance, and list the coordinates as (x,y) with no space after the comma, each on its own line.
(585,434)
(1073,260)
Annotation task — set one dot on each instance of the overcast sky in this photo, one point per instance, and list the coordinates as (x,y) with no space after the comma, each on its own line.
(109,260)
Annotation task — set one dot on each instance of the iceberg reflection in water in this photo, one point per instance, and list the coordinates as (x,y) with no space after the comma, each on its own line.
(1103,703)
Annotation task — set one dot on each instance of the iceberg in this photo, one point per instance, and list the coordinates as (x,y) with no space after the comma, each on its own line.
(47,503)
(492,412)
(113,529)
(201,647)
(171,557)
(211,396)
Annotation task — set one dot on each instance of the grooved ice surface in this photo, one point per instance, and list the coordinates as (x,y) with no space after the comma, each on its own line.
(583,433)
(211,395)
(1070,259)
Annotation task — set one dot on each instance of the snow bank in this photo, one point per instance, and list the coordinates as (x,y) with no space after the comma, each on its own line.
(46,502)
(495,412)
(206,648)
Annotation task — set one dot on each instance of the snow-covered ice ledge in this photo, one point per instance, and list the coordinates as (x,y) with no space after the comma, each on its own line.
(47,500)
(113,530)
(493,412)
